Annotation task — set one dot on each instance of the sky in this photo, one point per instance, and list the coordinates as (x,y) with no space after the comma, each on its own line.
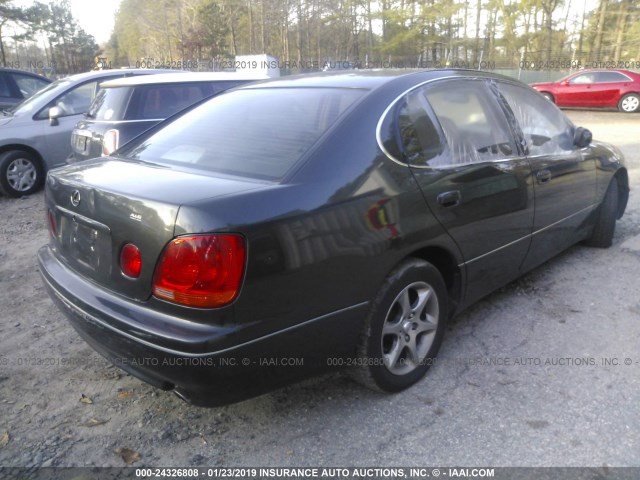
(96,17)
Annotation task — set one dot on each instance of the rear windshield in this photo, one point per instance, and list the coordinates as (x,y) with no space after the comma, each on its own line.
(259,133)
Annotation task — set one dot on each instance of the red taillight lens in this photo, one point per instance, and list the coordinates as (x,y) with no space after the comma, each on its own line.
(201,271)
(52,224)
(110,141)
(130,260)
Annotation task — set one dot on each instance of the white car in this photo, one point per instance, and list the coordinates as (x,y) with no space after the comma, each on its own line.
(35,135)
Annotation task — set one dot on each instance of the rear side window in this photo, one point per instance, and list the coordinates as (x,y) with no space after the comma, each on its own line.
(608,77)
(471,120)
(157,102)
(419,137)
(110,104)
(259,133)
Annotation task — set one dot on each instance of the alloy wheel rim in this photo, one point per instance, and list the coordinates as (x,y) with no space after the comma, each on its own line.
(21,174)
(409,328)
(630,104)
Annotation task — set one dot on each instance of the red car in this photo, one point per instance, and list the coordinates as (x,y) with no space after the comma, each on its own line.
(595,88)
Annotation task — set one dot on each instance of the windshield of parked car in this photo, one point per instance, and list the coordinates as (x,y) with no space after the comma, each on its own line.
(28,105)
(259,133)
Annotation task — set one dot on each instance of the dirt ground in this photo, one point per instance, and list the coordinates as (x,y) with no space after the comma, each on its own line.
(584,303)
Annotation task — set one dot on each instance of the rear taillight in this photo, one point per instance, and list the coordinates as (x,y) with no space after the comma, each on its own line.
(202,271)
(52,224)
(130,260)
(110,141)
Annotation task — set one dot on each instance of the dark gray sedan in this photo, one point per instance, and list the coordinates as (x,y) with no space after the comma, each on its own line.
(317,222)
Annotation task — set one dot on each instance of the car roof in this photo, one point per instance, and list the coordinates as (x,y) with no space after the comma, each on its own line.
(180,77)
(78,77)
(371,79)
(24,72)
(592,70)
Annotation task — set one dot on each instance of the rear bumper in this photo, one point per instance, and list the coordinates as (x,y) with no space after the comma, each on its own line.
(199,362)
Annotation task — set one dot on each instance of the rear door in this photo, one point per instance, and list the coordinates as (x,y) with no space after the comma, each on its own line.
(474,180)
(609,86)
(564,178)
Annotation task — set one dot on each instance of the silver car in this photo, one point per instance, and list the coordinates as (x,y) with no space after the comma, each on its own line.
(35,135)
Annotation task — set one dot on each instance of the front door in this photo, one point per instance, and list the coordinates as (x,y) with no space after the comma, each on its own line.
(564,180)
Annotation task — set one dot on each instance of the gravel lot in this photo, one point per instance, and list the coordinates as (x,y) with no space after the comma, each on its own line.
(546,405)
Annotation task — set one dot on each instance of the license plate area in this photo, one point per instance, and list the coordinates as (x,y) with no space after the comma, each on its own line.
(79,142)
(85,244)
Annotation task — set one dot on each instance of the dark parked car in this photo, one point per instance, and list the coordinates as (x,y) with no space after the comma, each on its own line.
(595,89)
(319,221)
(35,134)
(16,85)
(126,107)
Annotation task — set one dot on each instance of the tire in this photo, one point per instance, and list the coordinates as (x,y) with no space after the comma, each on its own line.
(605,224)
(20,173)
(411,305)
(548,96)
(630,103)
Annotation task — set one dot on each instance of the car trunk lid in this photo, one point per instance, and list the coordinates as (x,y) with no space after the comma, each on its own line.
(102,205)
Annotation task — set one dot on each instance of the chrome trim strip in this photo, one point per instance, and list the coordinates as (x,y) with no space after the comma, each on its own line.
(128,121)
(76,217)
(91,318)
(590,207)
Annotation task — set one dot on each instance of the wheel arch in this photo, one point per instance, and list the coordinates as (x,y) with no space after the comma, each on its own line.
(445,262)
(545,93)
(637,94)
(622,177)
(25,148)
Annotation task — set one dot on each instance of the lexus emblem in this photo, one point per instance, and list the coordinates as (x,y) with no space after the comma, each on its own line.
(75,198)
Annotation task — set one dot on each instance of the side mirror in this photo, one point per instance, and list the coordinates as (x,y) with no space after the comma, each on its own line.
(54,114)
(564,83)
(582,137)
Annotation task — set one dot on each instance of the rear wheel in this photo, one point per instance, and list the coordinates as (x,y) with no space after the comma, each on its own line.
(629,103)
(403,331)
(20,173)
(605,225)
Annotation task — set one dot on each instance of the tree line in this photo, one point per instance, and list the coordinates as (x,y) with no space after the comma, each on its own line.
(411,32)
(44,37)
(308,34)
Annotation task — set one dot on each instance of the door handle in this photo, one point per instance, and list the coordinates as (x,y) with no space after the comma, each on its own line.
(449,199)
(543,176)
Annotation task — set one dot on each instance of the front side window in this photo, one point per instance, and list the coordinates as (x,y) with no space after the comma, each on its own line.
(472,122)
(259,133)
(546,130)
(585,78)
(73,102)
(77,100)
